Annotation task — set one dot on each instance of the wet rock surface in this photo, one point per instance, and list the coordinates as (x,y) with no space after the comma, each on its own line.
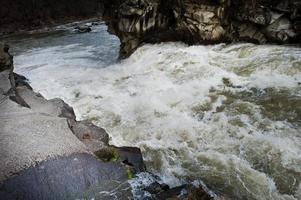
(149,186)
(129,156)
(184,192)
(96,140)
(93,137)
(6,60)
(78,176)
(83,29)
(202,22)
(155,189)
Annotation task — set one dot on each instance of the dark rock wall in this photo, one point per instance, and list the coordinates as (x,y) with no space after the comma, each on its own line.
(24,14)
(203,21)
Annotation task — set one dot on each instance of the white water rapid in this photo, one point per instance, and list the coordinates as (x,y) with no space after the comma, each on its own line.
(229,115)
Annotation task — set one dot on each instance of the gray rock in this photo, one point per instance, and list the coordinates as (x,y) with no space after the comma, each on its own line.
(21,81)
(129,156)
(77,176)
(28,137)
(97,140)
(53,107)
(281,30)
(93,137)
(184,192)
(5,84)
(83,29)
(156,188)
(6,60)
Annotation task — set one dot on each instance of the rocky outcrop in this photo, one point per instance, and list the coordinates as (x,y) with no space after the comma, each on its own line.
(46,154)
(77,176)
(18,15)
(202,21)
(6,60)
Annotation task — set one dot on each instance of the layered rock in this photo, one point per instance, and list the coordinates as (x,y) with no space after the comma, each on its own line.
(202,21)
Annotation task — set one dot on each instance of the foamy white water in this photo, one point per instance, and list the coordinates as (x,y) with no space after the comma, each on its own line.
(228,115)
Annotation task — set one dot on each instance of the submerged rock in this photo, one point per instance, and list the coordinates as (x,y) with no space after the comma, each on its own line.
(184,192)
(156,188)
(83,29)
(202,22)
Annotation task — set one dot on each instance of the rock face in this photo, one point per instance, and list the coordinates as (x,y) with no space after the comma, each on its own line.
(31,14)
(6,60)
(202,21)
(83,29)
(46,154)
(77,176)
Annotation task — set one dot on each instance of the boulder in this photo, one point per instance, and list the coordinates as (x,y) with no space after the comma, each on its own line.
(96,140)
(184,192)
(6,60)
(77,176)
(156,188)
(129,156)
(93,137)
(5,84)
(53,107)
(83,29)
(281,30)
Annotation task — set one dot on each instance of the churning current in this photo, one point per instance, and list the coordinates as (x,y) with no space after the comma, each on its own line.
(229,115)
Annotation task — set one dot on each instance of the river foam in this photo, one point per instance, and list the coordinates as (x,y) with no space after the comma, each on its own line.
(228,115)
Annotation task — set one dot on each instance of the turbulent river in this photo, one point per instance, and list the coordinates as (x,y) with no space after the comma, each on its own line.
(228,115)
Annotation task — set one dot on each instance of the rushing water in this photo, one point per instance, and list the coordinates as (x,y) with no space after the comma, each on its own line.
(229,115)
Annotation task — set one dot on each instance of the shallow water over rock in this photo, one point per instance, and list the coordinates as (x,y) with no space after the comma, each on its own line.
(228,115)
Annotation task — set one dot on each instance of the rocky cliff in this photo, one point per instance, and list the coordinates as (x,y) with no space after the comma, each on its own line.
(16,15)
(203,21)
